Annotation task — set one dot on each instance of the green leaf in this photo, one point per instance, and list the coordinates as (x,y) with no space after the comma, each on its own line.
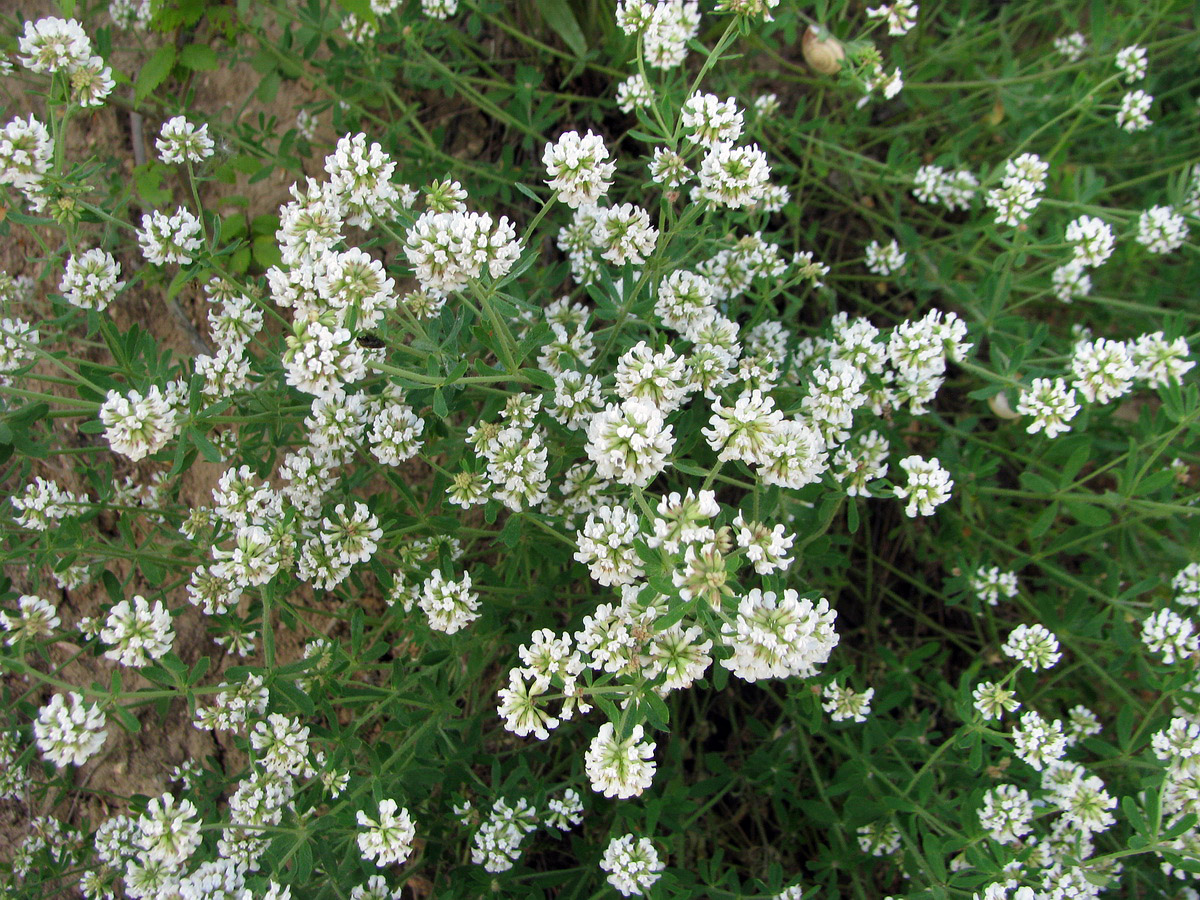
(1044,520)
(656,710)
(127,719)
(206,447)
(154,71)
(558,15)
(198,58)
(295,696)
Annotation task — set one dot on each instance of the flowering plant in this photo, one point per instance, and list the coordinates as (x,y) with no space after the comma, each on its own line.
(678,433)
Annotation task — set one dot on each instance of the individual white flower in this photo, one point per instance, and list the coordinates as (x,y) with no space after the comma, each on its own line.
(633,867)
(387,838)
(138,632)
(180,141)
(928,485)
(578,169)
(137,425)
(1132,115)
(1032,646)
(91,280)
(619,767)
(1006,814)
(1161,230)
(1051,404)
(1132,63)
(167,239)
(35,618)
(1103,369)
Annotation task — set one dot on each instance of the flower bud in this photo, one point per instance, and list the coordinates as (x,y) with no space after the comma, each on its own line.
(822,51)
(1001,407)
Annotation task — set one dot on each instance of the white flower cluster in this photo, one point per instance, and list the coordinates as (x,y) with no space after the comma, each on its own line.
(619,767)
(139,425)
(578,170)
(990,583)
(1032,646)
(1072,46)
(138,632)
(170,239)
(900,16)
(1018,194)
(497,844)
(182,142)
(388,837)
(92,280)
(35,618)
(633,864)
(954,190)
(779,636)
(53,45)
(664,27)
(448,250)
(928,485)
(843,703)
(1161,229)
(26,149)
(1133,112)
(42,503)
(69,731)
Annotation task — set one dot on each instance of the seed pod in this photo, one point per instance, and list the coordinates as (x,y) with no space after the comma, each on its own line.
(822,51)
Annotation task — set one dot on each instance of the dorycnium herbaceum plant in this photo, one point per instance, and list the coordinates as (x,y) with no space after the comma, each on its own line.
(570,449)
